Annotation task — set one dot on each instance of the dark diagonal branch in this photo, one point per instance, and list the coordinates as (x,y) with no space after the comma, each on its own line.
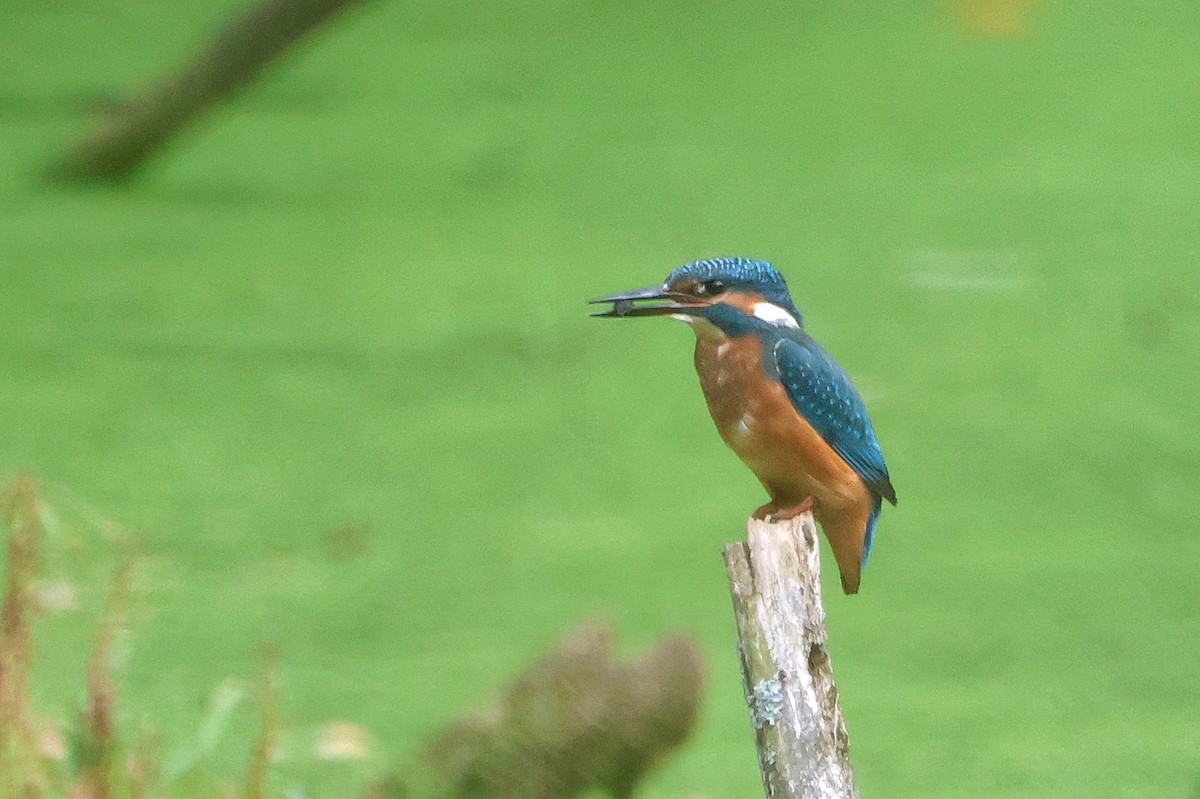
(235,58)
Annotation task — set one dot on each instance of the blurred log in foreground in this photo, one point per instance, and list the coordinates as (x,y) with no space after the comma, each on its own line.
(145,125)
(775,576)
(578,720)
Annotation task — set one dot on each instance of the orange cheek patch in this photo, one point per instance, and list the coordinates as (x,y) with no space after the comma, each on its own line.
(743,301)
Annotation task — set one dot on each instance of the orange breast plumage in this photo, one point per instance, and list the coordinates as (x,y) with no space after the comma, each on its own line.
(758,421)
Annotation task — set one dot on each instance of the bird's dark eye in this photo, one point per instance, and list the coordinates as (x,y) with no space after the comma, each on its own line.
(711,288)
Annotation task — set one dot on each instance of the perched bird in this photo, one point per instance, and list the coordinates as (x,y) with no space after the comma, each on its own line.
(779,400)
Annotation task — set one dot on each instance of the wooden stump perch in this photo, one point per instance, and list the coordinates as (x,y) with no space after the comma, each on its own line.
(803,748)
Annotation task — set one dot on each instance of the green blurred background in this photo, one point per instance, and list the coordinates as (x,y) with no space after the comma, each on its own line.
(349,308)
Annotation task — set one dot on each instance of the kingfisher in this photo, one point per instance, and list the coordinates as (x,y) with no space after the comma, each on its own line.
(779,400)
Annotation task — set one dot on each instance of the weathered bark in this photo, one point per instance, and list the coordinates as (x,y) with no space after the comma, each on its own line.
(803,748)
(578,721)
(236,57)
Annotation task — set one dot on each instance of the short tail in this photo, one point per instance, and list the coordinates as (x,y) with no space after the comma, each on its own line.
(850,536)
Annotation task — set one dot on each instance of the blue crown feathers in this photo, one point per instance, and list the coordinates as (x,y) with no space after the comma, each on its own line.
(744,274)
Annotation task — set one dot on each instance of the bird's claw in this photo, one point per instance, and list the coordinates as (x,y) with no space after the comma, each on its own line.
(786,514)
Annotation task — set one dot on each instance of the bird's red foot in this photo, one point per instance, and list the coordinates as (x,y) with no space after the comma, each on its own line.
(784,514)
(763,511)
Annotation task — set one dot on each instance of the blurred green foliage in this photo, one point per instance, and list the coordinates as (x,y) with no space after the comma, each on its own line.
(354,302)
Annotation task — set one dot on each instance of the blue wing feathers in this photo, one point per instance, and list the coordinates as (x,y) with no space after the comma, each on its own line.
(870,540)
(823,394)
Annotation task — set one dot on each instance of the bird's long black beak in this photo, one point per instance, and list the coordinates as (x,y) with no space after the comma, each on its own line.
(623,304)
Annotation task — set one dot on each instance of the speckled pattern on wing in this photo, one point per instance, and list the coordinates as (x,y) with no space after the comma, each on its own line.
(824,395)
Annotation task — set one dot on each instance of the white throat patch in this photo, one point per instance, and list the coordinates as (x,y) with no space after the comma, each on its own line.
(703,327)
(773,314)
